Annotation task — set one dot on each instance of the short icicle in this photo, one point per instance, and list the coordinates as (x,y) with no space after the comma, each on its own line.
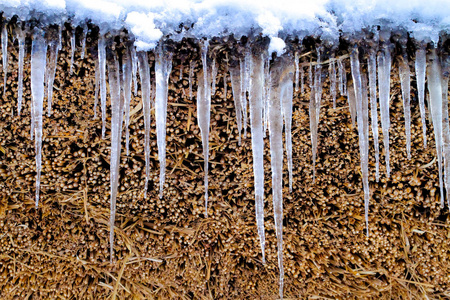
(72,50)
(127,69)
(204,113)
(38,62)
(276,162)
(191,77)
(144,74)
(372,70)
(83,41)
(421,67)
(163,68)
(384,83)
(134,63)
(332,74)
(256,125)
(102,79)
(434,74)
(405,79)
(116,134)
(21,42)
(361,101)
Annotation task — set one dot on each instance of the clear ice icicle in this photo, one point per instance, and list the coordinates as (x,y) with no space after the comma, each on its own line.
(406,96)
(244,65)
(102,79)
(72,50)
(191,77)
(127,69)
(256,125)
(116,134)
(21,41)
(204,113)
(384,85)
(235,75)
(297,71)
(53,47)
(4,54)
(421,66)
(287,95)
(97,81)
(445,124)
(276,162)
(144,73)
(361,101)
(83,42)
(38,62)
(332,72)
(213,77)
(435,90)
(225,82)
(134,63)
(372,69)
(163,67)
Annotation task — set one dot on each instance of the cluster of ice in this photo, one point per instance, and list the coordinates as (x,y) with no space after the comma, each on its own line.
(262,85)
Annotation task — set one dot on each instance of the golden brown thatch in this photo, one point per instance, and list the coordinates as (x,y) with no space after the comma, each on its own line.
(166,248)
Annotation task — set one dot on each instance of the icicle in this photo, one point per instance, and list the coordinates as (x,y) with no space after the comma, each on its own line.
(4,55)
(116,134)
(191,77)
(332,71)
(435,91)
(163,67)
(83,41)
(127,81)
(53,46)
(21,41)
(225,82)
(297,71)
(405,83)
(256,124)
(360,88)
(372,69)
(302,80)
(38,60)
(97,82)
(445,125)
(213,77)
(342,77)
(235,75)
(384,82)
(244,88)
(276,162)
(134,62)
(144,73)
(181,73)
(313,120)
(266,91)
(72,50)
(421,65)
(204,112)
(287,95)
(102,78)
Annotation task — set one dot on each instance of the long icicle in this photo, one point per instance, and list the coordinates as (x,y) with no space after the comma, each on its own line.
(72,50)
(405,79)
(163,68)
(372,69)
(421,66)
(4,54)
(435,91)
(116,134)
(256,124)
(21,41)
(204,113)
(38,62)
(144,74)
(276,162)
(53,46)
(332,72)
(287,95)
(384,81)
(362,120)
(445,60)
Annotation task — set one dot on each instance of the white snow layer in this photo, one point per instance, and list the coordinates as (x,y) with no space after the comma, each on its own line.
(150,20)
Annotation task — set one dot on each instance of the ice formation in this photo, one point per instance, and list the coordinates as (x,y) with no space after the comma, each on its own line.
(263,77)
